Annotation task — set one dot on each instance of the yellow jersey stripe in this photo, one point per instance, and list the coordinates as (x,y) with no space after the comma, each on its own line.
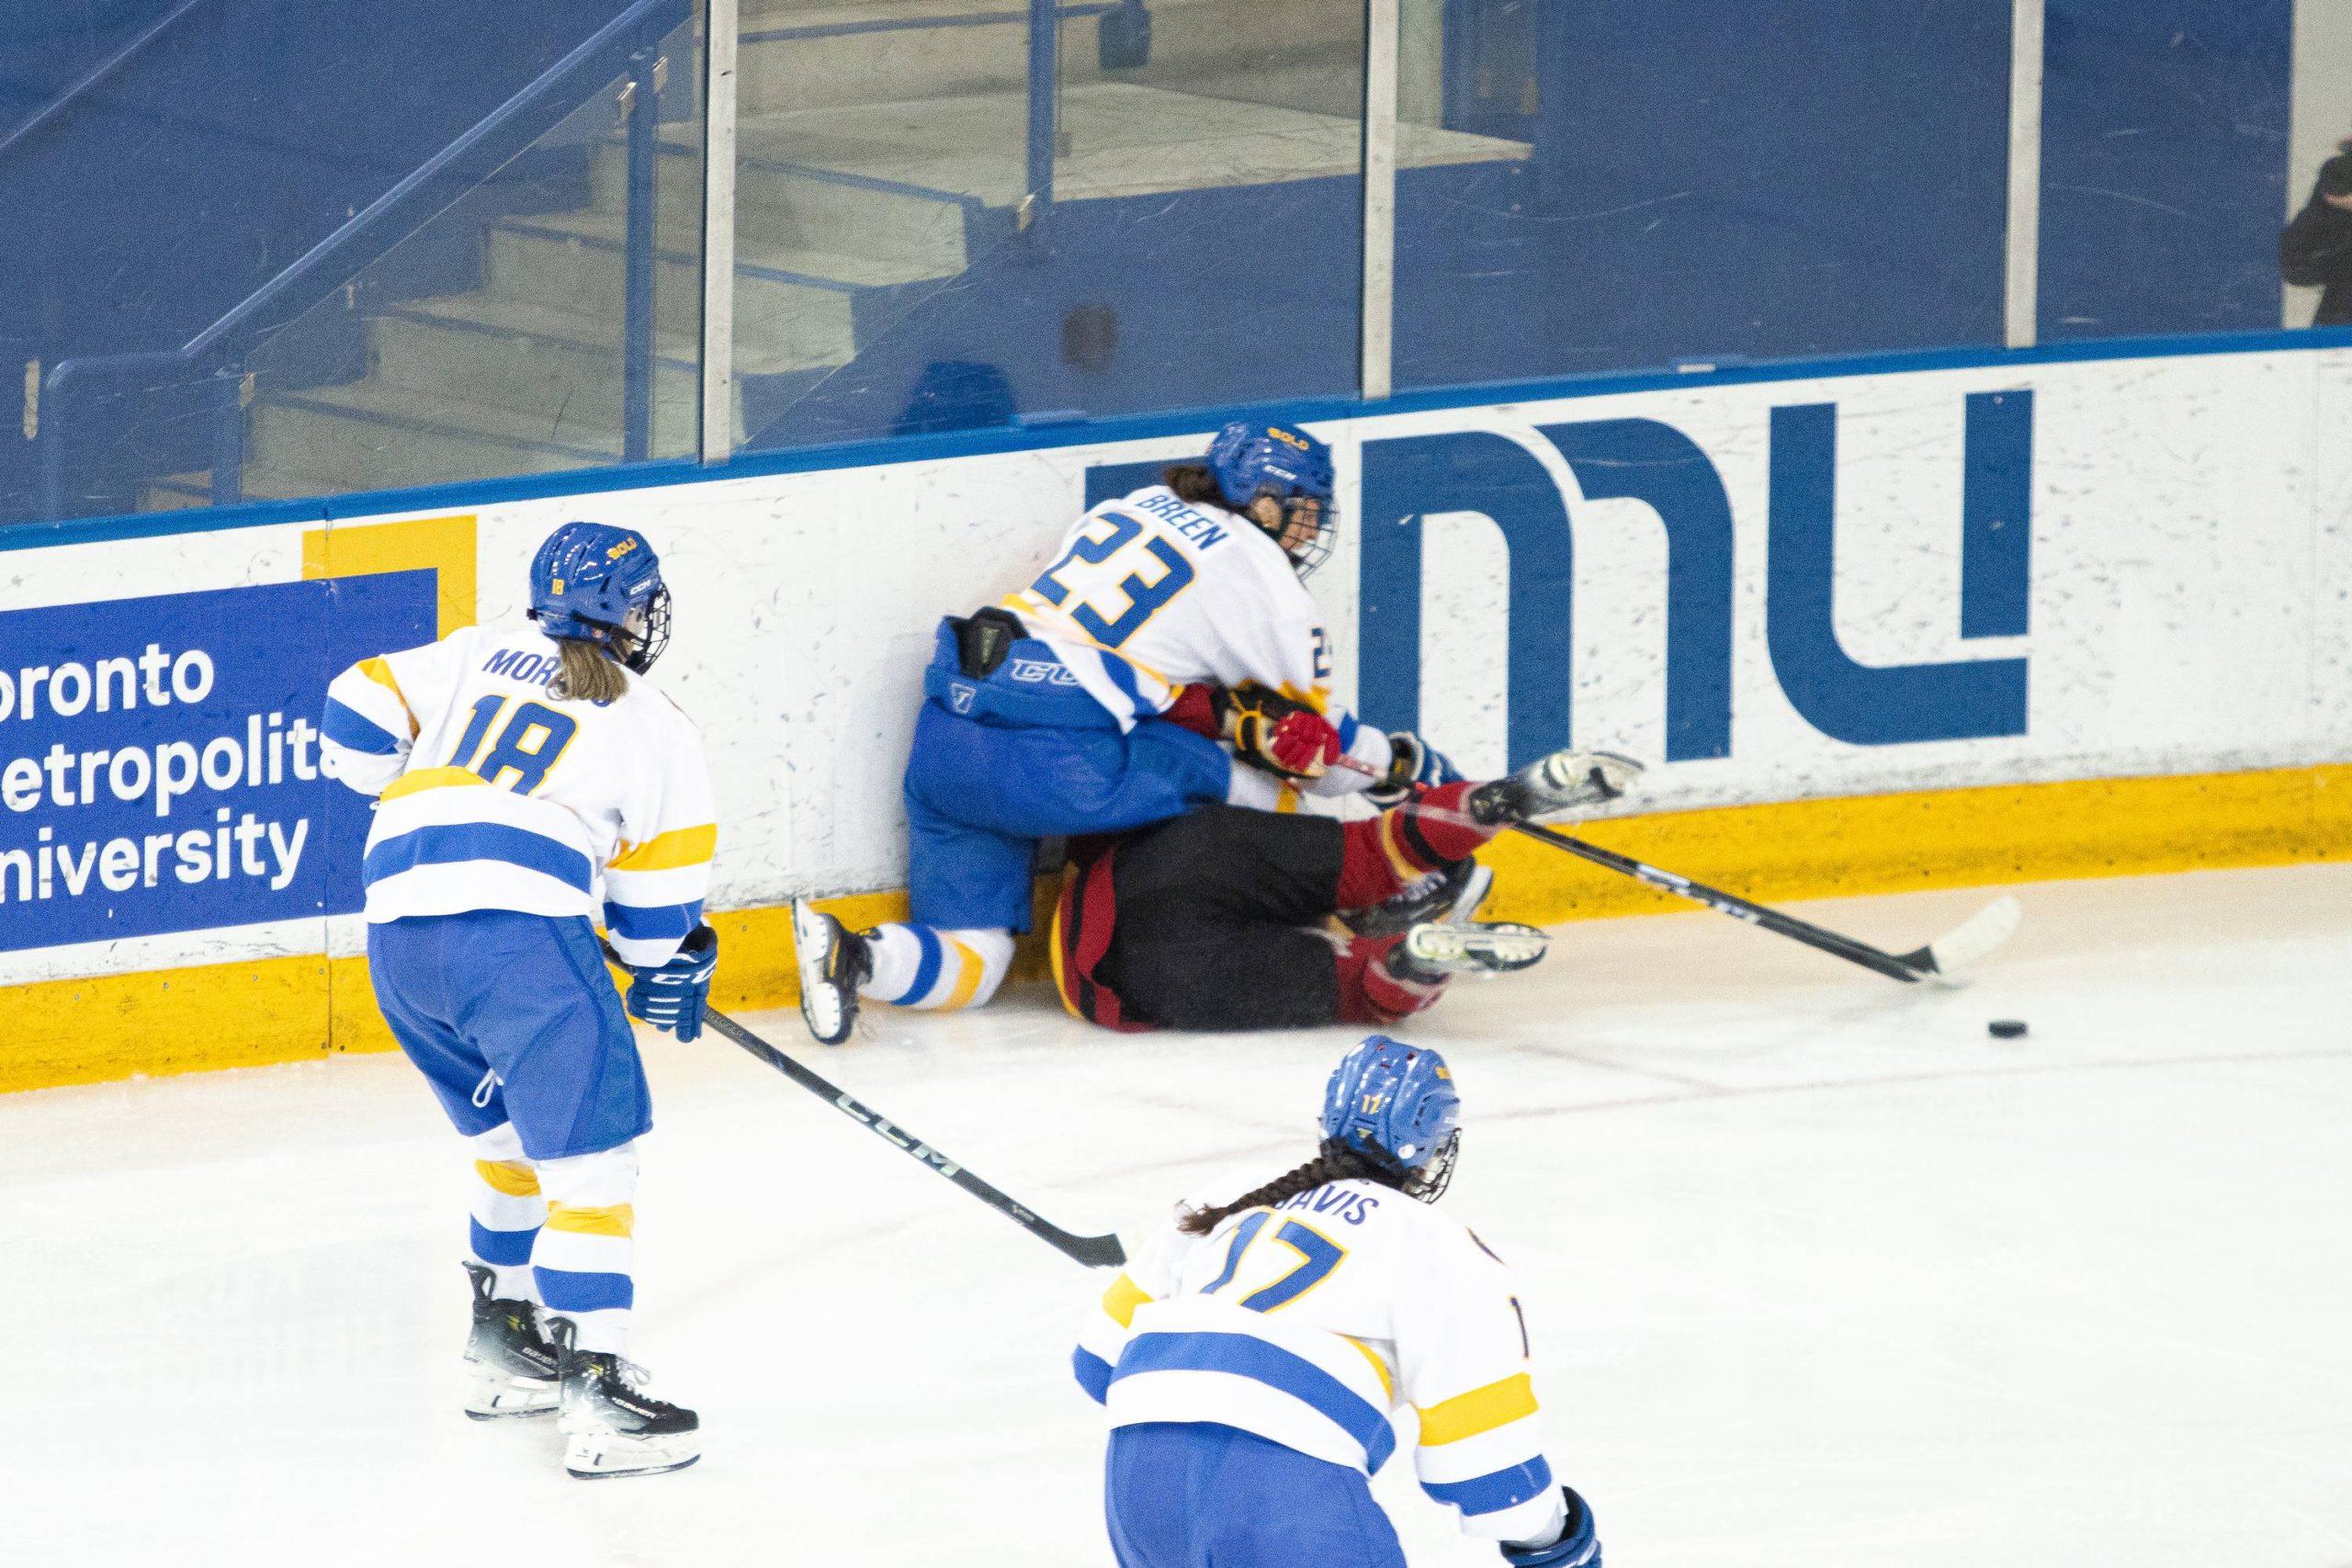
(619,1219)
(512,1177)
(1054,952)
(1480,1410)
(1378,1366)
(423,779)
(1397,860)
(667,852)
(1122,1299)
(1315,697)
(376,670)
(1028,602)
(967,977)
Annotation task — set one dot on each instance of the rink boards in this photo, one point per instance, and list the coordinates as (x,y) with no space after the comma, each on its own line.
(1911,626)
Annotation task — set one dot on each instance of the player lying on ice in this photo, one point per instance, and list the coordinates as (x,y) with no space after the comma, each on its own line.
(518,772)
(1219,918)
(1094,701)
(1249,1358)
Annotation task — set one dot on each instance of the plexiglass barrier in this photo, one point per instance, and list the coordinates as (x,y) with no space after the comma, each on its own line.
(263,250)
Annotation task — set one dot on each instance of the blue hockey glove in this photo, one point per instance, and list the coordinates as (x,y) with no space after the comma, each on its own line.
(1576,1547)
(671,997)
(1413,763)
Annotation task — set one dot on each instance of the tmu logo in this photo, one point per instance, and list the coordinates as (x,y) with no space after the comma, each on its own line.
(1409,478)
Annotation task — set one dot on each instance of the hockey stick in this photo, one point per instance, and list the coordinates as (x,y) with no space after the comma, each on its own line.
(1094,1251)
(1965,943)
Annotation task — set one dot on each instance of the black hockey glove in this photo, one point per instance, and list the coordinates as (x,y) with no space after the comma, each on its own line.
(1413,763)
(1576,1547)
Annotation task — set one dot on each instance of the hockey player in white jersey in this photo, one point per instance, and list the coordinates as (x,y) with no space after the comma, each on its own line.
(1249,1360)
(528,782)
(1090,701)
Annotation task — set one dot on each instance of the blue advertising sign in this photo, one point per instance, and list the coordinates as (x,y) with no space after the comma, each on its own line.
(159,758)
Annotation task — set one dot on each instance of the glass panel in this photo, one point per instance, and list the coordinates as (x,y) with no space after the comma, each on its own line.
(2315,252)
(432,282)
(953,215)
(1618,185)
(2164,144)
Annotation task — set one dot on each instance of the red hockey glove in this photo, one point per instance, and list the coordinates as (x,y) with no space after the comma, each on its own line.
(1280,734)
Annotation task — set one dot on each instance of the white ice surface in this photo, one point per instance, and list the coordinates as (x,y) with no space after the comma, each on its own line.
(1819,1273)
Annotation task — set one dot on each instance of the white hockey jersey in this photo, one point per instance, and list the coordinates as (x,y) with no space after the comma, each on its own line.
(493,794)
(1188,591)
(1306,1324)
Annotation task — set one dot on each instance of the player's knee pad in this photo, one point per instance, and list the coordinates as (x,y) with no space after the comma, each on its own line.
(604,1179)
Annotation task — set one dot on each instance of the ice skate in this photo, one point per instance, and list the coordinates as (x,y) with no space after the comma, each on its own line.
(511,1363)
(610,1425)
(1452,894)
(1547,787)
(833,963)
(1494,947)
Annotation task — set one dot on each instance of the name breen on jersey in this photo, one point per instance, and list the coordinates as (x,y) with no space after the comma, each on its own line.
(1197,527)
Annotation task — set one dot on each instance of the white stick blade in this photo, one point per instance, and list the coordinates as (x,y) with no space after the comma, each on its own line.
(1979,934)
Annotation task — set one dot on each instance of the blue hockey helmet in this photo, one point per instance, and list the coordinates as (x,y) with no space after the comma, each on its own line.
(1394,1104)
(594,582)
(1249,459)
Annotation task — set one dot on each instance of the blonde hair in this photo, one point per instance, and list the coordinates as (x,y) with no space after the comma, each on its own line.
(587,674)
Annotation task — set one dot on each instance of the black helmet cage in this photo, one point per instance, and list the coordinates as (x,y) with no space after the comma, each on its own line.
(1429,1183)
(646,644)
(1318,549)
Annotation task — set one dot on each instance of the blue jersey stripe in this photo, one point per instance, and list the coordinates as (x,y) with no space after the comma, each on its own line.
(1347,727)
(1093,1373)
(1124,677)
(1243,1356)
(651,922)
(476,841)
(508,1249)
(926,968)
(564,1290)
(1498,1489)
(353,731)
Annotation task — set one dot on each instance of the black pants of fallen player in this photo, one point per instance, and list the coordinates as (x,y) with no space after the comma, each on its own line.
(1219,919)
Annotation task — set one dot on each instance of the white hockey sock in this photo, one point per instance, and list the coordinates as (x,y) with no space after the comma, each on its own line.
(584,1252)
(507,1212)
(922,966)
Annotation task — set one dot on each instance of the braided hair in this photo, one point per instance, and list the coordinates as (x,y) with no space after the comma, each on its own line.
(1335,1162)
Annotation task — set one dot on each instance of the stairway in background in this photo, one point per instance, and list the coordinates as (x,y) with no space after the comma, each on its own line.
(844,203)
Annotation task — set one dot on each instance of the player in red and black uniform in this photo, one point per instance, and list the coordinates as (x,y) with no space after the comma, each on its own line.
(1218,919)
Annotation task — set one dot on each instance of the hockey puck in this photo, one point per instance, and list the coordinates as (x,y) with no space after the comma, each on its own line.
(2006,1028)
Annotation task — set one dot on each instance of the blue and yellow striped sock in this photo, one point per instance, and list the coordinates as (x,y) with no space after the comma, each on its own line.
(506,1211)
(584,1252)
(923,966)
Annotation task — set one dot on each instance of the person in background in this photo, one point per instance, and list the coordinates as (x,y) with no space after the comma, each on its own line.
(2316,251)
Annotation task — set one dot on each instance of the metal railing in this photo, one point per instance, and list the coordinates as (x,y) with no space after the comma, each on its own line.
(57,106)
(217,356)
